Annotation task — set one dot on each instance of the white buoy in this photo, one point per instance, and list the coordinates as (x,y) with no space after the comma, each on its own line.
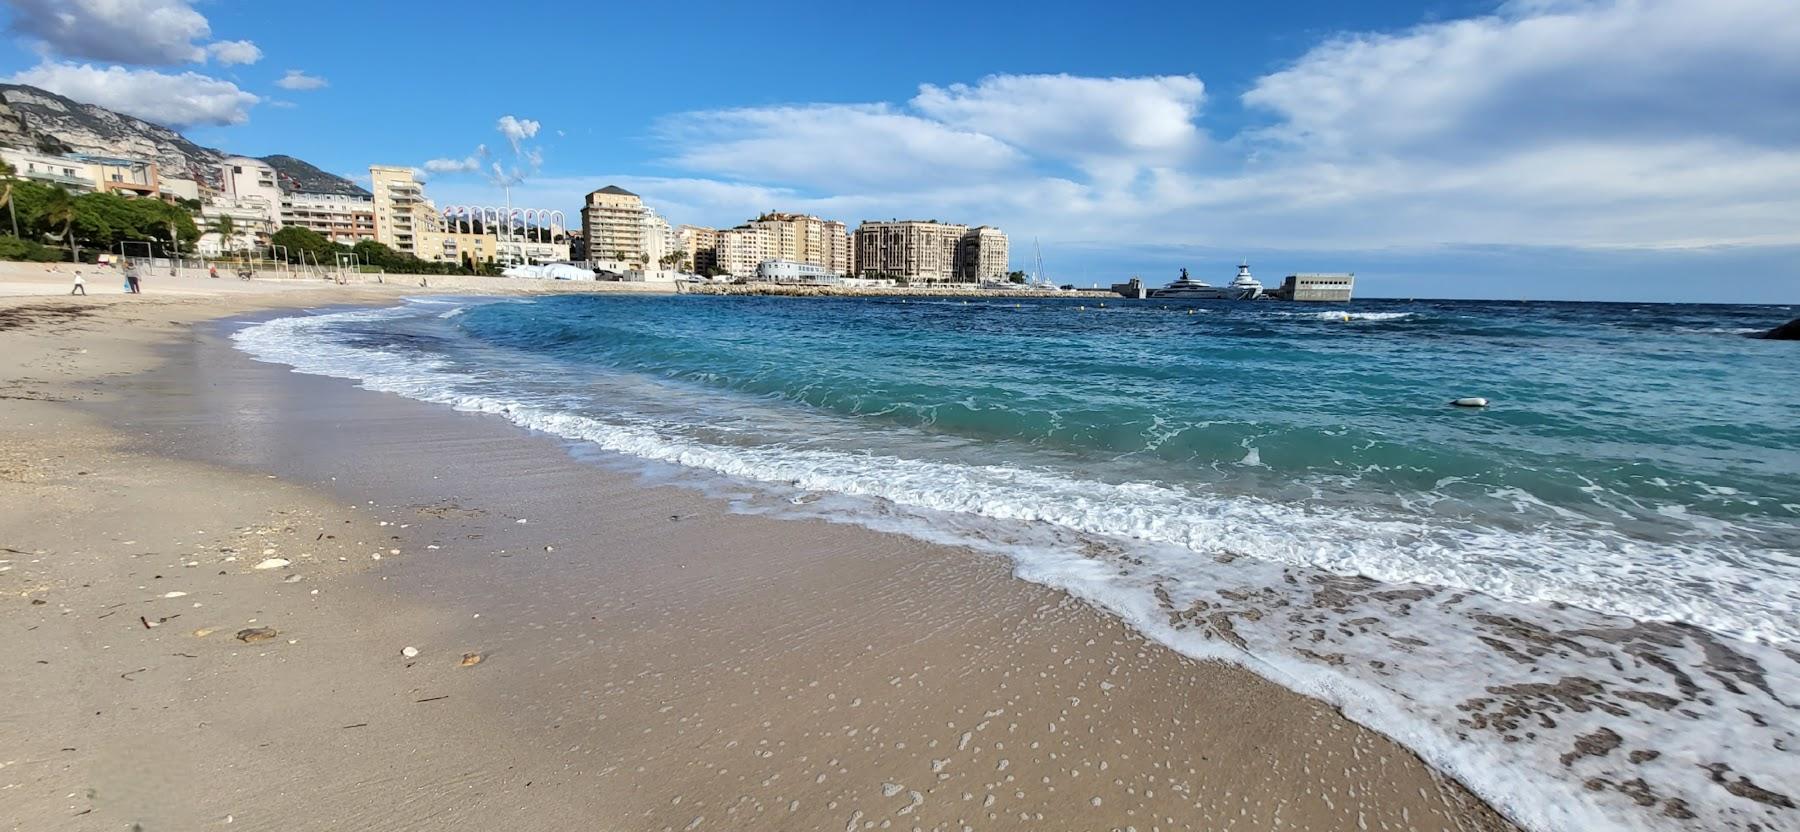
(1471,401)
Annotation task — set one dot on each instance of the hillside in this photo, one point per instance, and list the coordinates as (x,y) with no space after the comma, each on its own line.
(33,117)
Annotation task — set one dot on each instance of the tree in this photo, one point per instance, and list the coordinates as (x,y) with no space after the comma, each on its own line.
(1016,277)
(298,240)
(226,228)
(59,209)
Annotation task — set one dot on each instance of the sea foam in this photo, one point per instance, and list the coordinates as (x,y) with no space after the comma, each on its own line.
(1424,633)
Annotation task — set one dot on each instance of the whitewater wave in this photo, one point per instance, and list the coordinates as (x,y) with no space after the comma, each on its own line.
(1285,590)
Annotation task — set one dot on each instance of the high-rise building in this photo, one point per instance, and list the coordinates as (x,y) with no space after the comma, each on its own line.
(981,254)
(924,250)
(401,210)
(796,238)
(612,222)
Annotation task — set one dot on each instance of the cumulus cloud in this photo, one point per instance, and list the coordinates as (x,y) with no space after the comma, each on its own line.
(234,52)
(187,99)
(300,81)
(1591,123)
(525,162)
(1063,116)
(467,164)
(516,130)
(152,32)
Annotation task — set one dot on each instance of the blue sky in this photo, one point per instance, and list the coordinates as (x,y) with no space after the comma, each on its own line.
(1612,149)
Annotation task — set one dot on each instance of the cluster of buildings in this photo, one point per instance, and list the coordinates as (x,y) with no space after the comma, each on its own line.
(620,234)
(243,201)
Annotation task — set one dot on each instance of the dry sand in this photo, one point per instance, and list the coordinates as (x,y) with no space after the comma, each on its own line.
(648,659)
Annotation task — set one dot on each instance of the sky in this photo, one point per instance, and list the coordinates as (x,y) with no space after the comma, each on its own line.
(1641,150)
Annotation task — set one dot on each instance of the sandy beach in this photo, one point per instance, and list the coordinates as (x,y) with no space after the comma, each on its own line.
(237,597)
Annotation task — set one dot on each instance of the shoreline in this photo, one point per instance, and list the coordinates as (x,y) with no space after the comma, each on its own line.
(729,679)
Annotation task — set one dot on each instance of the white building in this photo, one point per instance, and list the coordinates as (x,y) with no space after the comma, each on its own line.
(71,174)
(794,271)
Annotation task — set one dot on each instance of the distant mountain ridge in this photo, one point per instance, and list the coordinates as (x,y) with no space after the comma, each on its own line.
(37,118)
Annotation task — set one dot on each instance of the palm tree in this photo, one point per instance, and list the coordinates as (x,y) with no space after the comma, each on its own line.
(225,228)
(59,207)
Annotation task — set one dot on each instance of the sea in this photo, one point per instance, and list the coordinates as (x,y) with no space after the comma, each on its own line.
(1582,601)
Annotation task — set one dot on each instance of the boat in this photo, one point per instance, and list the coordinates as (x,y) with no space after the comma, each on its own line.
(1188,288)
(1244,287)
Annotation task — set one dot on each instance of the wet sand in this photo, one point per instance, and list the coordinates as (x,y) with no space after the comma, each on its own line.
(648,659)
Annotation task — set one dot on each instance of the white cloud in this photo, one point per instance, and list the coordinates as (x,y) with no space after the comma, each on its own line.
(185,100)
(300,81)
(1592,123)
(467,164)
(516,130)
(1077,119)
(153,32)
(234,52)
(833,146)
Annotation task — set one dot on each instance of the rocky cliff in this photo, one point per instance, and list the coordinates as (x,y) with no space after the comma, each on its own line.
(35,118)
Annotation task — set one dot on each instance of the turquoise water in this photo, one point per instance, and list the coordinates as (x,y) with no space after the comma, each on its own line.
(1280,485)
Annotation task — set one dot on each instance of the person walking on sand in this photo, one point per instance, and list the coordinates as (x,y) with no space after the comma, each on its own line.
(132,278)
(80,287)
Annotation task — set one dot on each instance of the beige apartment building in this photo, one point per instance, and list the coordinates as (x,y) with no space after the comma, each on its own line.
(699,248)
(612,222)
(982,254)
(740,250)
(400,208)
(924,250)
(340,218)
(793,238)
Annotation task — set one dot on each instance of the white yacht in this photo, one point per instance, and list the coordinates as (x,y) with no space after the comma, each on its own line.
(1244,287)
(1187,287)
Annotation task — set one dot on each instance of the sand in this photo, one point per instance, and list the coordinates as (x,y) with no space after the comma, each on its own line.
(648,659)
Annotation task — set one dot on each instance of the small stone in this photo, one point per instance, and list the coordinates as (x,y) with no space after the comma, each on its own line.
(203,632)
(293,579)
(409,651)
(470,660)
(251,635)
(38,602)
(272,563)
(175,594)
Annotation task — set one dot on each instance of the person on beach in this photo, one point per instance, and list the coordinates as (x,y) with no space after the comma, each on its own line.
(132,278)
(212,271)
(80,287)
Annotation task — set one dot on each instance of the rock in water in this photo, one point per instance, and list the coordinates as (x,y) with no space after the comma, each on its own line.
(1789,331)
(252,635)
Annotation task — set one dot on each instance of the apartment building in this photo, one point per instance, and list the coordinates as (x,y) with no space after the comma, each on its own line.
(400,208)
(612,223)
(982,254)
(340,218)
(740,250)
(922,250)
(82,173)
(699,247)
